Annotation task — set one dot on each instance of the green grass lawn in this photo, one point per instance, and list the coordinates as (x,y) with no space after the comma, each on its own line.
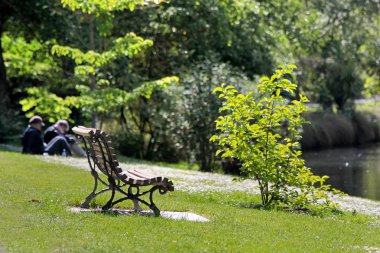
(34,217)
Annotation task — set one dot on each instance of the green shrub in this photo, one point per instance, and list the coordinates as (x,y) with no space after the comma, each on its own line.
(263,134)
(339,83)
(199,108)
(128,143)
(135,145)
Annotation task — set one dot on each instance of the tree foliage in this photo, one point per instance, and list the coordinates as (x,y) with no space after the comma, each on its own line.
(96,93)
(96,61)
(43,102)
(27,59)
(96,6)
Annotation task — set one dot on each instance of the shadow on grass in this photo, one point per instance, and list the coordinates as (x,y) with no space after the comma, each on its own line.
(187,216)
(311,210)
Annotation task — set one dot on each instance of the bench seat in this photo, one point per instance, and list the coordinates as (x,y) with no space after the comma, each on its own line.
(135,177)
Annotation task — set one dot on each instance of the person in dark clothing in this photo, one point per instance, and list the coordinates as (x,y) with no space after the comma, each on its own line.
(58,131)
(56,134)
(50,133)
(32,138)
(57,146)
(33,142)
(60,128)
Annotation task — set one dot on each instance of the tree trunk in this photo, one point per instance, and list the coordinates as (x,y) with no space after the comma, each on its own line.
(4,96)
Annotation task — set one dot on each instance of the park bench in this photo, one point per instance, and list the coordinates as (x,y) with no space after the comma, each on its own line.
(102,158)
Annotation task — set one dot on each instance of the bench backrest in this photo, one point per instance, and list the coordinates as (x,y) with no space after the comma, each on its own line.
(100,150)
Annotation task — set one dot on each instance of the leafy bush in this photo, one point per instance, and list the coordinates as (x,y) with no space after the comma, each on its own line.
(332,82)
(200,107)
(128,143)
(343,83)
(264,135)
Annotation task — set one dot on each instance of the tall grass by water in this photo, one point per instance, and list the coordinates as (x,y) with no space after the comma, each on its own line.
(327,130)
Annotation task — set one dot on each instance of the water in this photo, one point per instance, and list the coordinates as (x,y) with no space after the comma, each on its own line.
(355,171)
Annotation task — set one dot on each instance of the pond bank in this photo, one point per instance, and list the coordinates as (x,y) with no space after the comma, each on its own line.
(328,130)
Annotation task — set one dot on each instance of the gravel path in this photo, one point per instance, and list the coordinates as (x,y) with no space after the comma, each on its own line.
(195,181)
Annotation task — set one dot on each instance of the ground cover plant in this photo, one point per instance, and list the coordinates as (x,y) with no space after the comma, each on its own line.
(34,217)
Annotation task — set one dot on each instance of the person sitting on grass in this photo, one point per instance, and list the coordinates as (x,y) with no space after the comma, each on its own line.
(32,141)
(59,131)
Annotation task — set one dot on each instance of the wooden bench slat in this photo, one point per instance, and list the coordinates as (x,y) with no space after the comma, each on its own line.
(86,131)
(107,163)
(100,148)
(113,160)
(133,179)
(139,174)
(82,132)
(90,129)
(100,154)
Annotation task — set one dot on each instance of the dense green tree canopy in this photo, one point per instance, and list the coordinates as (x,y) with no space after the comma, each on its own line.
(146,68)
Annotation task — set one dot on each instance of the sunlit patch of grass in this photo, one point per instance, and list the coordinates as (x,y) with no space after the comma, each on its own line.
(35,197)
